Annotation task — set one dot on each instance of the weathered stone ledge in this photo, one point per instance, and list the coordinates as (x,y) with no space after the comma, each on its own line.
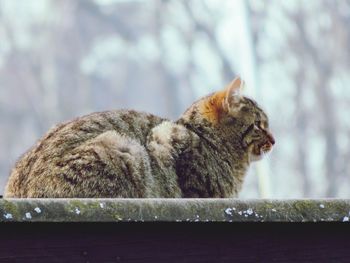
(174,210)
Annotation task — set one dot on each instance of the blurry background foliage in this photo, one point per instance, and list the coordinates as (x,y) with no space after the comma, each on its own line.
(61,59)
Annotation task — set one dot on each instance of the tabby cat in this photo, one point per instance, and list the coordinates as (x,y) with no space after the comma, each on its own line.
(125,153)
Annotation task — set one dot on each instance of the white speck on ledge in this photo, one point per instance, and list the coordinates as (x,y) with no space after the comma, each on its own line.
(28,216)
(102,205)
(240,212)
(228,211)
(273,210)
(322,205)
(77,211)
(8,216)
(250,211)
(37,209)
(346,219)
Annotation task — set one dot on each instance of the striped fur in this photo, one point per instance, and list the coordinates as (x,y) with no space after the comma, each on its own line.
(124,153)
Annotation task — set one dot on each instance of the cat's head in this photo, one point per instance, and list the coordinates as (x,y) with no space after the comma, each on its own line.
(228,110)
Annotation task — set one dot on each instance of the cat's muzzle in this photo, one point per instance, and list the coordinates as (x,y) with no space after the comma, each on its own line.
(260,149)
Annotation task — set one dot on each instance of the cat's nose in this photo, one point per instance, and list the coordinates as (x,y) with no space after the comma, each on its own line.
(271,139)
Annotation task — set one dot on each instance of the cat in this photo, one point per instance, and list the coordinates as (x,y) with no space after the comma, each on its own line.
(130,154)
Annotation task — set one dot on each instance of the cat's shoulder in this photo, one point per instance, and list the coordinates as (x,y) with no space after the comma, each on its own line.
(168,132)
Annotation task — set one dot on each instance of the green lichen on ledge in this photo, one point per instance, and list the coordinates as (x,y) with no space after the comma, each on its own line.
(174,210)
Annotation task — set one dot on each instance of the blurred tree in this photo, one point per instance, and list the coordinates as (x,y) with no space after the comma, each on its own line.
(61,59)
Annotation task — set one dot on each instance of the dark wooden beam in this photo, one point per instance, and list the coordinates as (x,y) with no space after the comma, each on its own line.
(174,242)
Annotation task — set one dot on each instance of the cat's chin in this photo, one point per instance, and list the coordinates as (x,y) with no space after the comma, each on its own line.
(255,157)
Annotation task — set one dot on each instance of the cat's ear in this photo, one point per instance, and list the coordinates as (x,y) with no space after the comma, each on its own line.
(222,102)
(233,94)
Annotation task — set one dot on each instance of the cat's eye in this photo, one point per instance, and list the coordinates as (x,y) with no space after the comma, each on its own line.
(265,125)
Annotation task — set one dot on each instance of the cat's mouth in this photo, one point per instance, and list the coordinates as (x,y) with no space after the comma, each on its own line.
(260,149)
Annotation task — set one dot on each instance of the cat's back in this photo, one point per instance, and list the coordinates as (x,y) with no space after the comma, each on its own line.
(134,124)
(65,138)
(68,135)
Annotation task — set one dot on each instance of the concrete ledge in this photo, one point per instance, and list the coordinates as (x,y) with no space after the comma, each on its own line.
(173,210)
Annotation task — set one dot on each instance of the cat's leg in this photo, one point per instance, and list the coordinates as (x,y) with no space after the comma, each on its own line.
(110,165)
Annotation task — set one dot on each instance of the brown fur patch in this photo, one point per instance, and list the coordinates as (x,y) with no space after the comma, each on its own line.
(212,107)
